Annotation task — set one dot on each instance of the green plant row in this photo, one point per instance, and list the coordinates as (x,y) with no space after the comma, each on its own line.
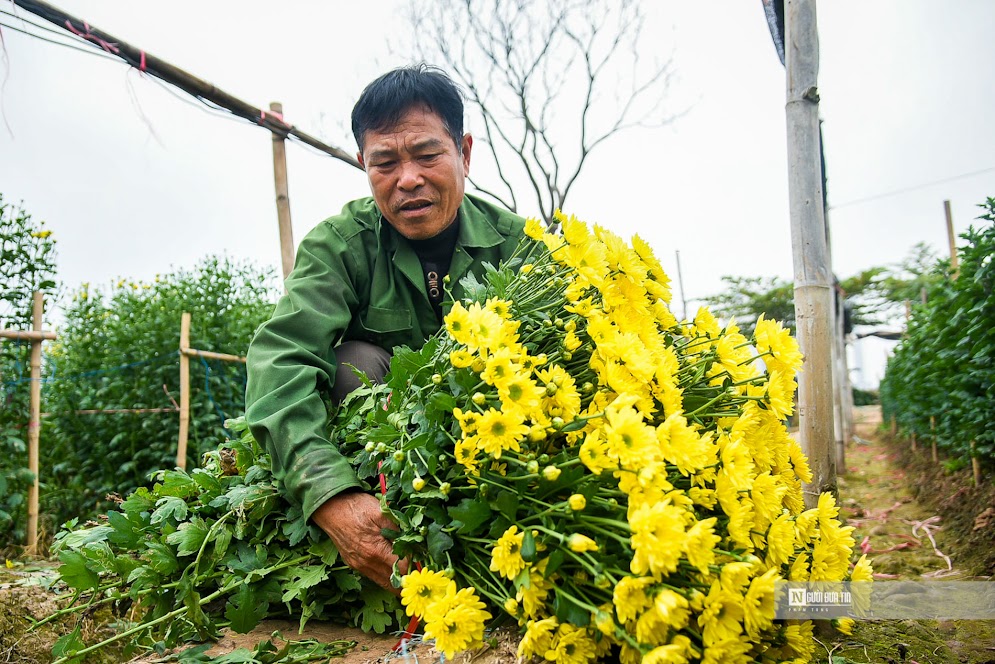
(217,547)
(118,349)
(941,379)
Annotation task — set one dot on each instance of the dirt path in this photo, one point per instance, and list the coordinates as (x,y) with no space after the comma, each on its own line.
(906,538)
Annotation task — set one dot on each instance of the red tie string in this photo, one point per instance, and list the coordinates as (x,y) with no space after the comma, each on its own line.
(409,631)
(90,37)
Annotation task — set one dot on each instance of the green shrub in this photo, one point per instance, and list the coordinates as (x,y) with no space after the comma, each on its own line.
(119,350)
(944,368)
(865,397)
(27,264)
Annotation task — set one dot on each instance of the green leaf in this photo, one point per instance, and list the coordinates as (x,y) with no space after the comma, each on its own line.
(569,612)
(438,541)
(374,616)
(79,538)
(301,579)
(506,502)
(244,609)
(471,514)
(169,507)
(75,572)
(68,645)
(188,537)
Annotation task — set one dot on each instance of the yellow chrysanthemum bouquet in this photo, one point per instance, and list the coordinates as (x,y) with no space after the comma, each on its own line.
(567,455)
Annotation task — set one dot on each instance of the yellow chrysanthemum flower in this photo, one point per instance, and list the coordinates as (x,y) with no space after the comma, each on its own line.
(499,431)
(699,544)
(571,645)
(506,556)
(421,588)
(758,603)
(780,541)
(629,597)
(675,652)
(456,621)
(532,596)
(722,615)
(657,538)
(537,638)
(771,337)
(594,453)
(534,228)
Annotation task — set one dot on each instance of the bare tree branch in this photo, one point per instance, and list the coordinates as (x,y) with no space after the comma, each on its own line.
(548,81)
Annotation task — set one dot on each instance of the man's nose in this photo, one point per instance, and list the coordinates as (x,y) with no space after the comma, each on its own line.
(410,177)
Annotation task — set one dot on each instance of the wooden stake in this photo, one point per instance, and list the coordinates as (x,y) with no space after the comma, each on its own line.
(282,195)
(34,423)
(932,434)
(181,446)
(894,427)
(954,261)
(812,274)
(915,447)
(975,466)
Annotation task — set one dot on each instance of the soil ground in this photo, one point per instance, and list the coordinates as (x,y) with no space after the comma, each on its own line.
(895,497)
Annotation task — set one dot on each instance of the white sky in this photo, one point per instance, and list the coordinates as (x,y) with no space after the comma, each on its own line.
(906,87)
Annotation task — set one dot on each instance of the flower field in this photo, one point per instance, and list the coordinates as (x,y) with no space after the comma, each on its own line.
(565,456)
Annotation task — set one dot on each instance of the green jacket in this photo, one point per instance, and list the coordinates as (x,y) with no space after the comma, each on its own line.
(355,278)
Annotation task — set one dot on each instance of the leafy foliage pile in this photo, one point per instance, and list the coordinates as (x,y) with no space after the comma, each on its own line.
(27,264)
(216,547)
(944,368)
(120,351)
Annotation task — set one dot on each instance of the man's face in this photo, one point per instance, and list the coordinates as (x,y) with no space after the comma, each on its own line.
(417,173)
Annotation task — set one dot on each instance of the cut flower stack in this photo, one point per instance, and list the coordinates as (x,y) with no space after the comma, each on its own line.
(568,455)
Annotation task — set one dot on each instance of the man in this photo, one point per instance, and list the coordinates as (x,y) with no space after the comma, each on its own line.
(365,281)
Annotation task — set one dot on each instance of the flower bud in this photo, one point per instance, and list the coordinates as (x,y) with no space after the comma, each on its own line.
(577,502)
(479,398)
(551,473)
(418,483)
(398,455)
(525,269)
(581,543)
(445,488)
(532,467)
(437,378)
(557,423)
(369,447)
(511,606)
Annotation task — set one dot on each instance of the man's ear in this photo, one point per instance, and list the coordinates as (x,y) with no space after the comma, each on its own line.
(466,147)
(359,158)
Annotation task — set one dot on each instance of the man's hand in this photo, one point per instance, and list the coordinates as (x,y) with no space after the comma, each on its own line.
(353,520)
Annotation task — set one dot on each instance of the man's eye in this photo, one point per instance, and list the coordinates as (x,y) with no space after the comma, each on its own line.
(384,164)
(428,157)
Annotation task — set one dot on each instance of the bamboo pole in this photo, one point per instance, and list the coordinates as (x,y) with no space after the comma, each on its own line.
(812,274)
(181,446)
(952,239)
(932,434)
(975,465)
(173,75)
(680,283)
(28,335)
(282,195)
(34,423)
(210,355)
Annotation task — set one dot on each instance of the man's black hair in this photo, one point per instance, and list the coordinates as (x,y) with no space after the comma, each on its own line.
(386,99)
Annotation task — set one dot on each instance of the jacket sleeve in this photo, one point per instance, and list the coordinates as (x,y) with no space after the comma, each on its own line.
(291,363)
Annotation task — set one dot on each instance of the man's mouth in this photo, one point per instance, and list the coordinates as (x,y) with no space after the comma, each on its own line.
(414,206)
